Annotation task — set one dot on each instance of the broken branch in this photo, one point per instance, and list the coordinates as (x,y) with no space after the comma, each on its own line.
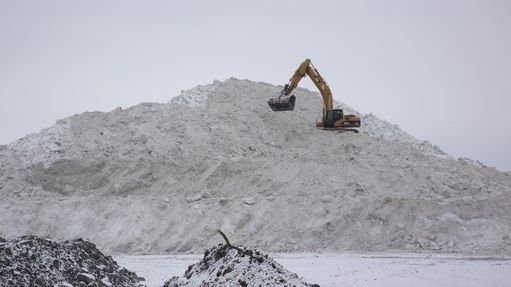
(229,243)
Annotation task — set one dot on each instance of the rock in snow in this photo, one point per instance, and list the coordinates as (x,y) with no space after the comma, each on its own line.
(228,267)
(161,178)
(33,261)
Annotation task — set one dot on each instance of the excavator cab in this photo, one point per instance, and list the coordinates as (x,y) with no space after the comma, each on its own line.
(282,103)
(336,119)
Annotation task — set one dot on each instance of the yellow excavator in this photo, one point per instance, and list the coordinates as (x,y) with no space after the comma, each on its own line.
(332,119)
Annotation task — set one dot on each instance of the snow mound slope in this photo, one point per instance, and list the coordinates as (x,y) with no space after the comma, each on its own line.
(41,147)
(371,124)
(226,266)
(160,178)
(33,261)
(195,97)
(384,130)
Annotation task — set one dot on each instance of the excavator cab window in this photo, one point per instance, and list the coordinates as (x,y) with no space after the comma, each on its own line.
(332,116)
(338,114)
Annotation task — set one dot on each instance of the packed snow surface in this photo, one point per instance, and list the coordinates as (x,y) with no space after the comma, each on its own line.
(162,178)
(354,269)
(33,261)
(224,266)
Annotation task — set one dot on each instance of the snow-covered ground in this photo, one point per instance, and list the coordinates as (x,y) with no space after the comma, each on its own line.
(350,269)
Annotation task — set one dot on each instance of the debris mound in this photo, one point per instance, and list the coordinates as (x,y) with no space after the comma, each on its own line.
(35,261)
(225,265)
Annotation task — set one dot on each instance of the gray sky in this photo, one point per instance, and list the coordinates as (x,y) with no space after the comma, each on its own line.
(441,70)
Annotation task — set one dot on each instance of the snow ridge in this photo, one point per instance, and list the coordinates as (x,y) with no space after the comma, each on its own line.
(383,130)
(195,97)
(371,124)
(42,147)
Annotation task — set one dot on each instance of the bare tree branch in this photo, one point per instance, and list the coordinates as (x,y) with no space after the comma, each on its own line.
(225,238)
(229,243)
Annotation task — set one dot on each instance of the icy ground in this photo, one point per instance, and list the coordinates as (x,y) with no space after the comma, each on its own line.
(354,269)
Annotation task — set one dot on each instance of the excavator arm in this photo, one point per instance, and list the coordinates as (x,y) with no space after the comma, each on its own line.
(307,69)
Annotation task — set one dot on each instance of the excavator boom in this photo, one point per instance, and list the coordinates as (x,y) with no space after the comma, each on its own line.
(284,102)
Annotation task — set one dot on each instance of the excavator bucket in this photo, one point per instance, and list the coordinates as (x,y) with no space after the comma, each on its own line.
(283,104)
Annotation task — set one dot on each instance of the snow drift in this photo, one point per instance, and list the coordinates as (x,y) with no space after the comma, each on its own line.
(162,178)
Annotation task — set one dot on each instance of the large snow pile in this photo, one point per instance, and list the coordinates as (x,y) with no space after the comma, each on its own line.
(33,261)
(228,267)
(161,178)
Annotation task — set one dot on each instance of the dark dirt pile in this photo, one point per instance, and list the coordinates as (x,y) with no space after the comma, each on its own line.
(225,266)
(34,261)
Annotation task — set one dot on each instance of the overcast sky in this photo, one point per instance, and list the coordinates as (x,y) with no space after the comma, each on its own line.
(441,70)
